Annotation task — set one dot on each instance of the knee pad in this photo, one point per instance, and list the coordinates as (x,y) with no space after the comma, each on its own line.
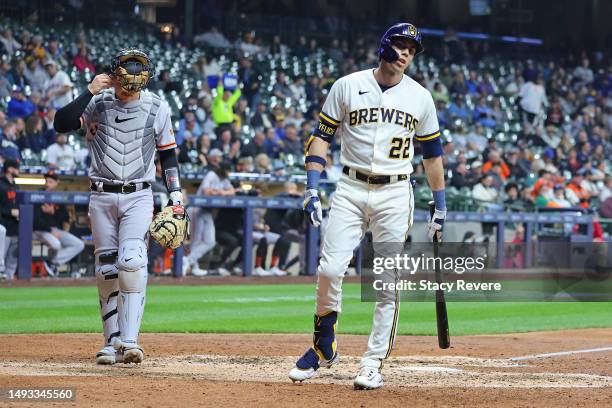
(132,265)
(107,274)
(132,255)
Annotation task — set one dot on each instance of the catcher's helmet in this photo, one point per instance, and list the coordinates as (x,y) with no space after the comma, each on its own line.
(133,68)
(405,30)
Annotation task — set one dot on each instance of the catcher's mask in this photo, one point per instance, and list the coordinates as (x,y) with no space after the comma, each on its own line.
(133,69)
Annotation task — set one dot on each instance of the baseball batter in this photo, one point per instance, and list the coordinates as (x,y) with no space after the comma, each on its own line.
(381,113)
(125,126)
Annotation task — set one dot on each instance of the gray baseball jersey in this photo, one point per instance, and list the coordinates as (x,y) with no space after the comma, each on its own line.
(123,137)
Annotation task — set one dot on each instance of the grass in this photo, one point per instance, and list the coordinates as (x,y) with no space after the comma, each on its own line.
(277,309)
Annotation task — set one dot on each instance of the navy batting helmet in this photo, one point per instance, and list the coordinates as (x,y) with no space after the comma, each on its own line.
(405,30)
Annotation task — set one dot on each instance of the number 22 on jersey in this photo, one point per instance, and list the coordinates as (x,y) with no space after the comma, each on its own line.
(400,148)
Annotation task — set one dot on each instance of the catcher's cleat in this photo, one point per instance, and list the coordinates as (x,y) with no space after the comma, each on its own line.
(324,351)
(132,352)
(108,356)
(369,378)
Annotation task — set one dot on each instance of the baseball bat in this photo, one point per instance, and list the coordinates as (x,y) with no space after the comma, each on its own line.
(441,314)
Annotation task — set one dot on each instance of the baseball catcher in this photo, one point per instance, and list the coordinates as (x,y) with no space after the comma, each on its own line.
(125,126)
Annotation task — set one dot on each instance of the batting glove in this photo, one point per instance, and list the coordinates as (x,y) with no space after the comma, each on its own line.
(436,224)
(312,207)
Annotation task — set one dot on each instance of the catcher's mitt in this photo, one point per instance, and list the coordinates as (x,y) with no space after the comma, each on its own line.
(170,227)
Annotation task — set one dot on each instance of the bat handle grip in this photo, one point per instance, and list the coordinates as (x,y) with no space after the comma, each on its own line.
(432,210)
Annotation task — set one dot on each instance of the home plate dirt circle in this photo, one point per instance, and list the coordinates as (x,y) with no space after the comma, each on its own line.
(409,371)
(252,370)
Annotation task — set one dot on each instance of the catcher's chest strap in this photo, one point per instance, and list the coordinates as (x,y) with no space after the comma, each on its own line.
(118,188)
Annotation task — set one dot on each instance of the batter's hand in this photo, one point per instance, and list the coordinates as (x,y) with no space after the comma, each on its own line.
(312,207)
(436,224)
(99,83)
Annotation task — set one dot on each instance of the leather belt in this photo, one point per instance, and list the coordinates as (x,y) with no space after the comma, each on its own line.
(118,188)
(374,179)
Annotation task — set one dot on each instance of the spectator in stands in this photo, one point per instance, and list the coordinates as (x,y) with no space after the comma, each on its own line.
(261,118)
(256,146)
(8,143)
(532,102)
(82,61)
(545,195)
(461,177)
(517,168)
(16,75)
(212,38)
(495,160)
(440,93)
(10,215)
(606,191)
(459,86)
(35,139)
(60,155)
(472,83)
(55,51)
(559,200)
(247,46)
(50,221)
(483,114)
(215,158)
(280,89)
(483,190)
(58,88)
(292,144)
(223,142)
(487,85)
(10,44)
(583,73)
(19,106)
(188,150)
(35,47)
(35,74)
(298,88)
(262,164)
(188,124)
(5,85)
(251,78)
(457,108)
(203,149)
(513,201)
(223,105)
(273,145)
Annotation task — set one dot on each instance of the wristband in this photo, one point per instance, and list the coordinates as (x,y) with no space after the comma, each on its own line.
(312,179)
(439,197)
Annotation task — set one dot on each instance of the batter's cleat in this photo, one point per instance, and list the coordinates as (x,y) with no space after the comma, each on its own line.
(306,367)
(323,353)
(108,356)
(223,272)
(369,378)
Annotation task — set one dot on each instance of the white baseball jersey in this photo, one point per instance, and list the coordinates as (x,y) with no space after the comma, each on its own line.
(378,128)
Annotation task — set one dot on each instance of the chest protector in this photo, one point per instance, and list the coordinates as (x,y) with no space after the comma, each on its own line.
(124,143)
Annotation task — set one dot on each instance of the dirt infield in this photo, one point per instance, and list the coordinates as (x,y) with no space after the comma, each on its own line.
(251,370)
